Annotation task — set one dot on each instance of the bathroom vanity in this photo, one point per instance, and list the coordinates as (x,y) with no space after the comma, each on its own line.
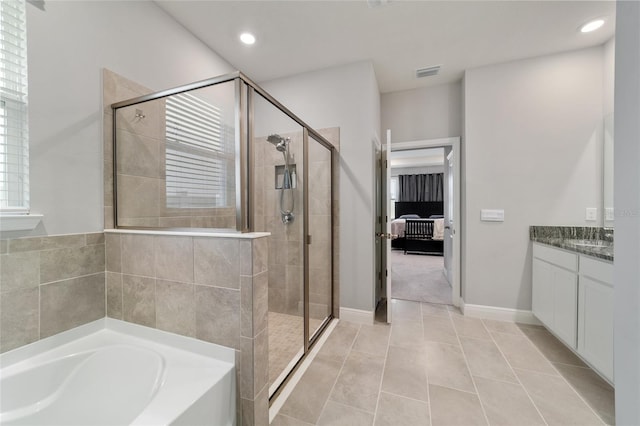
(573,290)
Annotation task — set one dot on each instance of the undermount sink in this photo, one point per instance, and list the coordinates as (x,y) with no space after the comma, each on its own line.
(590,243)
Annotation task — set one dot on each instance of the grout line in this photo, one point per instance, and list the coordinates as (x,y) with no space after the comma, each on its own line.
(466,361)
(339,372)
(515,375)
(426,369)
(384,368)
(565,380)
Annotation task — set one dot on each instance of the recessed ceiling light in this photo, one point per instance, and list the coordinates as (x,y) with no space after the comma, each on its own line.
(247,38)
(592,25)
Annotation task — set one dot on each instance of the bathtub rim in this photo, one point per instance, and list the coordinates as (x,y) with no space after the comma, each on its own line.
(176,341)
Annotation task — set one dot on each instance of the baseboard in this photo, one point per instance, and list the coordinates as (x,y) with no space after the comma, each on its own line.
(357,316)
(497,313)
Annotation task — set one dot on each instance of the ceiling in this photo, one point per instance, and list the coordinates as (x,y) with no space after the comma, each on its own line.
(398,37)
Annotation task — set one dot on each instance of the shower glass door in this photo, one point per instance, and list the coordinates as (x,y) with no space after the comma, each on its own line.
(320,235)
(278,207)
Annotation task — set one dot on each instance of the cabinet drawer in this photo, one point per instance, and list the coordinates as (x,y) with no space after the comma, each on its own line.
(556,256)
(596,269)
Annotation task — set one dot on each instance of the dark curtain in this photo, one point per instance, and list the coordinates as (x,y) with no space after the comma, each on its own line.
(421,187)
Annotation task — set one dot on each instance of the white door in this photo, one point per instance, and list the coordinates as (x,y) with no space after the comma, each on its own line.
(386,207)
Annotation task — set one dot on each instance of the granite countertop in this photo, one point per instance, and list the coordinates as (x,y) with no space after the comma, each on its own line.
(590,241)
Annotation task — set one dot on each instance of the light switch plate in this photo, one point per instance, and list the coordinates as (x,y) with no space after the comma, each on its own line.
(492,215)
(608,213)
(592,214)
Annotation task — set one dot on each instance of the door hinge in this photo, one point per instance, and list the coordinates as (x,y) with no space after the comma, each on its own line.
(385,163)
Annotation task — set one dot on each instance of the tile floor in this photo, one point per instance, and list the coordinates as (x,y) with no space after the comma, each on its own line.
(434,366)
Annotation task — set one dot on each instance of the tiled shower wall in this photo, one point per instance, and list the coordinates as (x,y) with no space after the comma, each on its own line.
(49,285)
(141,165)
(286,241)
(210,288)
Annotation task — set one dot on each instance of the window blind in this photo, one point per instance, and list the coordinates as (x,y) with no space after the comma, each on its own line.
(14,141)
(198,154)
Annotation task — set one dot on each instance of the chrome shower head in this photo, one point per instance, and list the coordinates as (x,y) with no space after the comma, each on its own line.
(278,141)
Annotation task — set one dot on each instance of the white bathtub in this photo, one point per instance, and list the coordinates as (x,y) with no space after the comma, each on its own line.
(110,372)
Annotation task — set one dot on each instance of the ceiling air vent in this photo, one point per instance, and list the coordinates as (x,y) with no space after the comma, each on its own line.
(428,71)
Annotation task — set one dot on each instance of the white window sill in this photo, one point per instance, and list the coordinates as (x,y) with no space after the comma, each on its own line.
(19,222)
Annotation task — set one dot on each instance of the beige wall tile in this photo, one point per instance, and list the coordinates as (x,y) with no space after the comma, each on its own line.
(46,243)
(113,252)
(260,255)
(140,156)
(217,262)
(60,264)
(70,303)
(4,246)
(246,368)
(138,300)
(95,238)
(138,197)
(19,270)
(218,315)
(174,258)
(114,295)
(19,318)
(176,307)
(138,256)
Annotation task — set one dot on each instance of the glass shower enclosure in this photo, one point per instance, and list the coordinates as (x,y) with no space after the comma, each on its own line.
(223,155)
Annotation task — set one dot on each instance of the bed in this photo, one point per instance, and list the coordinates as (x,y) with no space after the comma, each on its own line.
(419,226)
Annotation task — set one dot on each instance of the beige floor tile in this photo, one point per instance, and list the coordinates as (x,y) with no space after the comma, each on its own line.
(359,382)
(470,327)
(507,404)
(335,414)
(405,310)
(485,360)
(394,410)
(556,400)
(339,343)
(407,334)
(439,330)
(450,407)
(521,353)
(446,366)
(435,309)
(282,420)
(593,389)
(373,339)
(551,347)
(405,373)
(502,327)
(312,392)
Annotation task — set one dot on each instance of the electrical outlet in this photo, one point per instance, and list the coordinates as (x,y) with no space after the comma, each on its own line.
(592,214)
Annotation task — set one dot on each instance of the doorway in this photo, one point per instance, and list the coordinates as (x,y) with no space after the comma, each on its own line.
(425,271)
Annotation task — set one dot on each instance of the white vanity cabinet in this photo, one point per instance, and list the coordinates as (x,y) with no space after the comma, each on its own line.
(573,297)
(595,314)
(555,291)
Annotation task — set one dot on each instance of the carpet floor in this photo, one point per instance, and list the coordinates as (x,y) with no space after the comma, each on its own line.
(419,278)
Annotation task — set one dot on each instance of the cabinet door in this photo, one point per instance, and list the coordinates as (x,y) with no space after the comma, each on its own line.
(595,325)
(565,305)
(542,297)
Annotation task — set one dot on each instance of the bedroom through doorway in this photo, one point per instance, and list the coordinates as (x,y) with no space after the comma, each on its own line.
(420,192)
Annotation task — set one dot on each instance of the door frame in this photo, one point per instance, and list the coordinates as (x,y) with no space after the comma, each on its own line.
(454,143)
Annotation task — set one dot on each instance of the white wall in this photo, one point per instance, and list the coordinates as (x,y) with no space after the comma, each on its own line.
(68,45)
(533,148)
(427,113)
(345,97)
(627,208)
